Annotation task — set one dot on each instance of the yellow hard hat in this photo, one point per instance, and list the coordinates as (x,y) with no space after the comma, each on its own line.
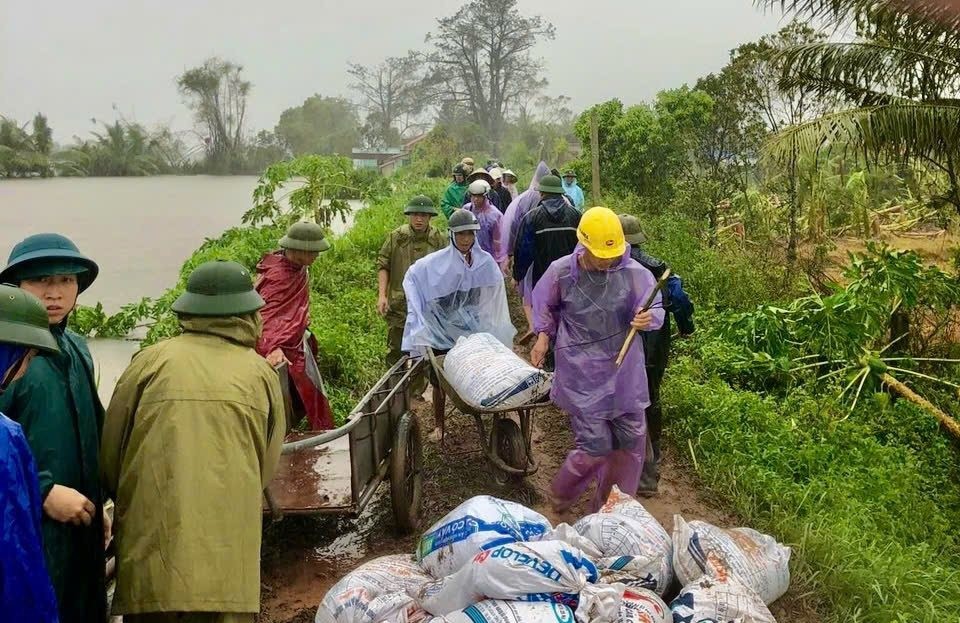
(601,233)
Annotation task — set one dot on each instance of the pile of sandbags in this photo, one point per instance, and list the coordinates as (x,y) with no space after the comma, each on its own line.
(495,561)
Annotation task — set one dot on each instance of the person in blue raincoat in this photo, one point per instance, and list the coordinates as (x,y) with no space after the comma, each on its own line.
(573,190)
(25,589)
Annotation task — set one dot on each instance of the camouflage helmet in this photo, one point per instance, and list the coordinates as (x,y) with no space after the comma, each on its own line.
(219,288)
(24,321)
(305,236)
(421,204)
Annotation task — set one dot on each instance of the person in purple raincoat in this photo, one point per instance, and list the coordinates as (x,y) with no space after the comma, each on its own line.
(584,305)
(510,232)
(489,218)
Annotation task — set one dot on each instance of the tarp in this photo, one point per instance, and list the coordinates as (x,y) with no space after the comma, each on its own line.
(448,299)
(284,287)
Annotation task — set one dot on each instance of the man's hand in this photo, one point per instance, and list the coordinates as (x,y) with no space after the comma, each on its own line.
(107,529)
(642,321)
(68,505)
(383,306)
(539,351)
(277,357)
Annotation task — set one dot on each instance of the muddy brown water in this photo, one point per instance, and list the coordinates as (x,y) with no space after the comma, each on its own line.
(139,230)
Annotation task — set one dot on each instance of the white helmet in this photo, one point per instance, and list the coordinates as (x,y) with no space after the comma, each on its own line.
(496,173)
(478,187)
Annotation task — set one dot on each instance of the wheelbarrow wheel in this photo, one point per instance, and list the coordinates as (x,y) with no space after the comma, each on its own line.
(406,479)
(506,440)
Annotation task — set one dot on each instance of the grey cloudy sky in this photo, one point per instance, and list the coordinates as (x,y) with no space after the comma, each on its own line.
(75,60)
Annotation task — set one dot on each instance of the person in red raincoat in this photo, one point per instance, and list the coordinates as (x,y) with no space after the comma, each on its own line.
(283,282)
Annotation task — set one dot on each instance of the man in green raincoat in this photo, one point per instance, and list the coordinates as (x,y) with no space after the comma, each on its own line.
(56,403)
(404,246)
(192,436)
(456,191)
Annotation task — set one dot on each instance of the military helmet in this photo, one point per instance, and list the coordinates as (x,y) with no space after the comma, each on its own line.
(42,255)
(463,220)
(632,232)
(460,169)
(421,204)
(218,288)
(305,236)
(551,185)
(23,321)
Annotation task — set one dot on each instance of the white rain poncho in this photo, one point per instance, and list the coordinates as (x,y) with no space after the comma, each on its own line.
(448,299)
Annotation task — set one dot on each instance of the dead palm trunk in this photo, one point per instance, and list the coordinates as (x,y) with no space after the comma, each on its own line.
(948,422)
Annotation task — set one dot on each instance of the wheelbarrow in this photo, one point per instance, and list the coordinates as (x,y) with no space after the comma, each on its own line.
(337,472)
(508,447)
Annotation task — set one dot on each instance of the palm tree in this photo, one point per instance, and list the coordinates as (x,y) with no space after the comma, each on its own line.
(900,73)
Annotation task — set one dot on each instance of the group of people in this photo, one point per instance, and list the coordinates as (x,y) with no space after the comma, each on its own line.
(585,282)
(191,437)
(194,430)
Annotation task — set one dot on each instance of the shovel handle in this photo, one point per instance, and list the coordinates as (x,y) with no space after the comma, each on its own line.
(661,282)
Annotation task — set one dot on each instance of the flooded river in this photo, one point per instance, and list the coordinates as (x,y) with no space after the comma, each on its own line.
(139,230)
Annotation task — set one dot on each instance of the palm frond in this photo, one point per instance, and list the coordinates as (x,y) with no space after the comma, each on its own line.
(890,15)
(897,131)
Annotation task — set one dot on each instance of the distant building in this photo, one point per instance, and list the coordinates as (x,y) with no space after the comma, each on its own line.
(386,160)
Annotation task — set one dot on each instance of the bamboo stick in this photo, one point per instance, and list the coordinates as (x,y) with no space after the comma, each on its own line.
(948,422)
(646,306)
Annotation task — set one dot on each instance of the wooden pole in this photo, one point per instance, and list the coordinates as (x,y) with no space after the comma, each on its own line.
(646,306)
(595,153)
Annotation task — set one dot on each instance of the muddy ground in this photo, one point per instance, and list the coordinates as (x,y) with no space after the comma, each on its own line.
(304,556)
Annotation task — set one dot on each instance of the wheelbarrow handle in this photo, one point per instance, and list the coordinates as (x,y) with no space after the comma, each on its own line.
(661,282)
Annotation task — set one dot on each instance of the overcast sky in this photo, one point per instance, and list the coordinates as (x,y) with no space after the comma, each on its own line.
(76,60)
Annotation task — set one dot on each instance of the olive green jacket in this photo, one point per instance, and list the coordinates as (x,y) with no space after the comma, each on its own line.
(191,438)
(402,248)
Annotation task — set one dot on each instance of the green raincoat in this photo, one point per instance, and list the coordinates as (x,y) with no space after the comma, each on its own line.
(192,436)
(56,403)
(453,199)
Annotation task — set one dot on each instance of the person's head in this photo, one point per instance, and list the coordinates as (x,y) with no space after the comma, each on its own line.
(24,331)
(550,187)
(50,267)
(497,174)
(419,211)
(632,232)
(303,242)
(601,235)
(463,226)
(509,177)
(219,288)
(482,176)
(459,173)
(478,193)
(468,164)
(570,177)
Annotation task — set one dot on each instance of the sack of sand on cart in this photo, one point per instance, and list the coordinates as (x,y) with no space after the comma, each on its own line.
(488,375)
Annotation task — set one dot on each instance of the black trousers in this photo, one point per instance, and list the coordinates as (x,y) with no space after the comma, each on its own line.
(654,412)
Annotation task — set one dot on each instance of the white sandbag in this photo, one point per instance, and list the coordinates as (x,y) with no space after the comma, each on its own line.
(480,523)
(375,592)
(487,374)
(635,549)
(496,611)
(755,559)
(548,571)
(643,606)
(710,600)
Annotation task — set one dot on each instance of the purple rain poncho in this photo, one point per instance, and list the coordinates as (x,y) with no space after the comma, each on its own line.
(489,236)
(512,219)
(447,299)
(587,315)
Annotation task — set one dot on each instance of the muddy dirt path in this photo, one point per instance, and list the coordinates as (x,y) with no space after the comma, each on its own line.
(303,557)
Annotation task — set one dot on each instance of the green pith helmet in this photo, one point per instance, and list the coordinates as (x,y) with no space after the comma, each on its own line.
(463,220)
(460,169)
(551,185)
(421,204)
(23,321)
(218,288)
(632,232)
(570,173)
(42,255)
(305,236)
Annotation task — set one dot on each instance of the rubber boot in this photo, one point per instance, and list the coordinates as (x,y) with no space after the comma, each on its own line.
(650,479)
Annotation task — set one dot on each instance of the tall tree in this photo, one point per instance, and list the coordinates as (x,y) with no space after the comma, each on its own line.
(217,94)
(321,125)
(394,95)
(482,59)
(42,135)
